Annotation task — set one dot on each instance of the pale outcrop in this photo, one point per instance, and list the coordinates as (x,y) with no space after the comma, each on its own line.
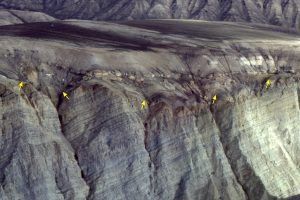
(8,17)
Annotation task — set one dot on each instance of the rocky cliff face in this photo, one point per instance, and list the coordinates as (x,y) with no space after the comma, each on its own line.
(100,143)
(276,12)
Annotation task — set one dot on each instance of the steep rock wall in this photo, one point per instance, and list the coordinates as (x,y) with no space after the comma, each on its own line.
(100,144)
(36,160)
(265,129)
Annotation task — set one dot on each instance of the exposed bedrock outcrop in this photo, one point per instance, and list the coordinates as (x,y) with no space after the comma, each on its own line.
(100,143)
(258,137)
(36,160)
(276,12)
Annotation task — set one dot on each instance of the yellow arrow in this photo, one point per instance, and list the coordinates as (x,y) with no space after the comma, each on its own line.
(65,95)
(214,99)
(268,83)
(143,104)
(20,85)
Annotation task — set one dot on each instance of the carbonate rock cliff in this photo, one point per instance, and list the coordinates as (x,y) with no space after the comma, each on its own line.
(99,143)
(276,12)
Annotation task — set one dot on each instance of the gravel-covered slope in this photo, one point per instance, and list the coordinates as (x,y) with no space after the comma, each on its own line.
(276,12)
(100,143)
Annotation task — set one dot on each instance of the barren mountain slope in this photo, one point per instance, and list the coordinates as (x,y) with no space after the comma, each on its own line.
(19,17)
(100,143)
(276,12)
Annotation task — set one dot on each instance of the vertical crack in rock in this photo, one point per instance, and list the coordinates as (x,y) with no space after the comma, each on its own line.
(225,150)
(151,165)
(178,140)
(239,145)
(108,138)
(40,159)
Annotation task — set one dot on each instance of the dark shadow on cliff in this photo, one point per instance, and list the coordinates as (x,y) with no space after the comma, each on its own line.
(245,175)
(296,197)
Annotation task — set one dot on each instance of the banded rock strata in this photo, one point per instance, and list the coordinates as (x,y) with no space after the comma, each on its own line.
(100,144)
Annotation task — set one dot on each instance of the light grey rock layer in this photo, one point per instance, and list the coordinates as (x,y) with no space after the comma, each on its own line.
(8,17)
(100,144)
(36,160)
(276,12)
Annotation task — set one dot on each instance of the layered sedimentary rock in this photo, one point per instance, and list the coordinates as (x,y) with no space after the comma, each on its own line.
(36,160)
(277,12)
(101,144)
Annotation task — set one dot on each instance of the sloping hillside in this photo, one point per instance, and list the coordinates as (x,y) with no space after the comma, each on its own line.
(8,17)
(276,12)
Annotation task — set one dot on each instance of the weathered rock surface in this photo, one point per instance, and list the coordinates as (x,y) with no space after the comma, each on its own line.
(8,17)
(276,12)
(100,144)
